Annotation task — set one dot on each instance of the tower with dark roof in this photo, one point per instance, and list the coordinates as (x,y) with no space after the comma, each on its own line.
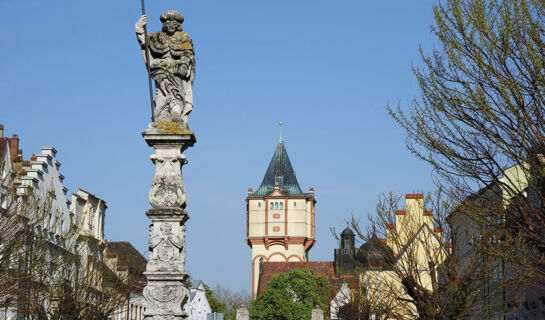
(344,255)
(280,217)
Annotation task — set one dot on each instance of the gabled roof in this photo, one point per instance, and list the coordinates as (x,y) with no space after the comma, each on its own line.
(196,284)
(279,172)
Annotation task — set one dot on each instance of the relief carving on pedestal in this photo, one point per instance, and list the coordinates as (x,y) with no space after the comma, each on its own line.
(165,300)
(166,293)
(167,188)
(165,252)
(168,245)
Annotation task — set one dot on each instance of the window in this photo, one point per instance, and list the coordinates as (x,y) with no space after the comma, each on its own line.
(276,205)
(294,204)
(272,205)
(281,205)
(259,204)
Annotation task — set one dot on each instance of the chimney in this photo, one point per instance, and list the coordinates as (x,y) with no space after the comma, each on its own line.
(14,146)
(1,130)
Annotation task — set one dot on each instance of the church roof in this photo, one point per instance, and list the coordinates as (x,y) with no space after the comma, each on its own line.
(279,172)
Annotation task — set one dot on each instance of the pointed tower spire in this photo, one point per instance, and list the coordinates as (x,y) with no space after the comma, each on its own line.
(280,124)
(280,173)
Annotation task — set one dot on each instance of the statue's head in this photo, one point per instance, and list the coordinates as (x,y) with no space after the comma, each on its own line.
(172,21)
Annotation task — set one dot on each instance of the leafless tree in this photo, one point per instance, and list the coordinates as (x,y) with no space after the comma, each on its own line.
(480,121)
(409,267)
(232,300)
(43,275)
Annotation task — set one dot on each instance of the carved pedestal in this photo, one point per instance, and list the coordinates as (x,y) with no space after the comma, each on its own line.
(165,292)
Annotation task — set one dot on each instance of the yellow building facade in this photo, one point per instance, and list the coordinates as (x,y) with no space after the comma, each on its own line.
(413,249)
(280,217)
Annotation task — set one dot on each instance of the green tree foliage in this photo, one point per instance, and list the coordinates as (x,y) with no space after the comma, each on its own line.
(482,110)
(291,296)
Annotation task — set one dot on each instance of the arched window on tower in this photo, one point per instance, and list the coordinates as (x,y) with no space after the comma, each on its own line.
(272,205)
(281,205)
(276,205)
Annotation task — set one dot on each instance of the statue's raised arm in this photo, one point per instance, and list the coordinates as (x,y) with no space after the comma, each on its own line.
(172,67)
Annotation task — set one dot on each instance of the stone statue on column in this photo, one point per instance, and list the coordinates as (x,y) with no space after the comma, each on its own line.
(172,66)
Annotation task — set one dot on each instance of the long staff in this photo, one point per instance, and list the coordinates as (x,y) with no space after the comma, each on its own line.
(147,64)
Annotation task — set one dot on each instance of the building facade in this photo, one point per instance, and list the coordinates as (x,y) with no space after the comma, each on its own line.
(71,230)
(280,217)
(197,307)
(498,298)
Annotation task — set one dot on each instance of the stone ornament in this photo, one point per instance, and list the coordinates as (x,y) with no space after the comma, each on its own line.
(167,248)
(172,67)
(166,293)
(169,245)
(167,188)
(164,301)
(165,252)
(88,215)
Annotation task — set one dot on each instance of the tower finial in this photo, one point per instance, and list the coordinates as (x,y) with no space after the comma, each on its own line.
(280,124)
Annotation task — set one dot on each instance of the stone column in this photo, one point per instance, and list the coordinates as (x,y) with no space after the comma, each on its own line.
(165,291)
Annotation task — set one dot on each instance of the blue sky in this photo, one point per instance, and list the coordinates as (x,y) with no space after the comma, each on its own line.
(72,77)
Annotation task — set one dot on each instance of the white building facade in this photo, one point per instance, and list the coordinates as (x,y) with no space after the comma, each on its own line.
(67,225)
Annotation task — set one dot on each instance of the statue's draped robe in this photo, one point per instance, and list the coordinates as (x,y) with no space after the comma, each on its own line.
(172,66)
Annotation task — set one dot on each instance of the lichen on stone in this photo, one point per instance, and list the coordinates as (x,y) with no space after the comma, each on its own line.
(171,127)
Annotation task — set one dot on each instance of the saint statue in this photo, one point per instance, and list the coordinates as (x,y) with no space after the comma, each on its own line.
(172,66)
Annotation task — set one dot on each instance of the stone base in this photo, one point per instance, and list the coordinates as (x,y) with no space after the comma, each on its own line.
(165,214)
(165,291)
(156,137)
